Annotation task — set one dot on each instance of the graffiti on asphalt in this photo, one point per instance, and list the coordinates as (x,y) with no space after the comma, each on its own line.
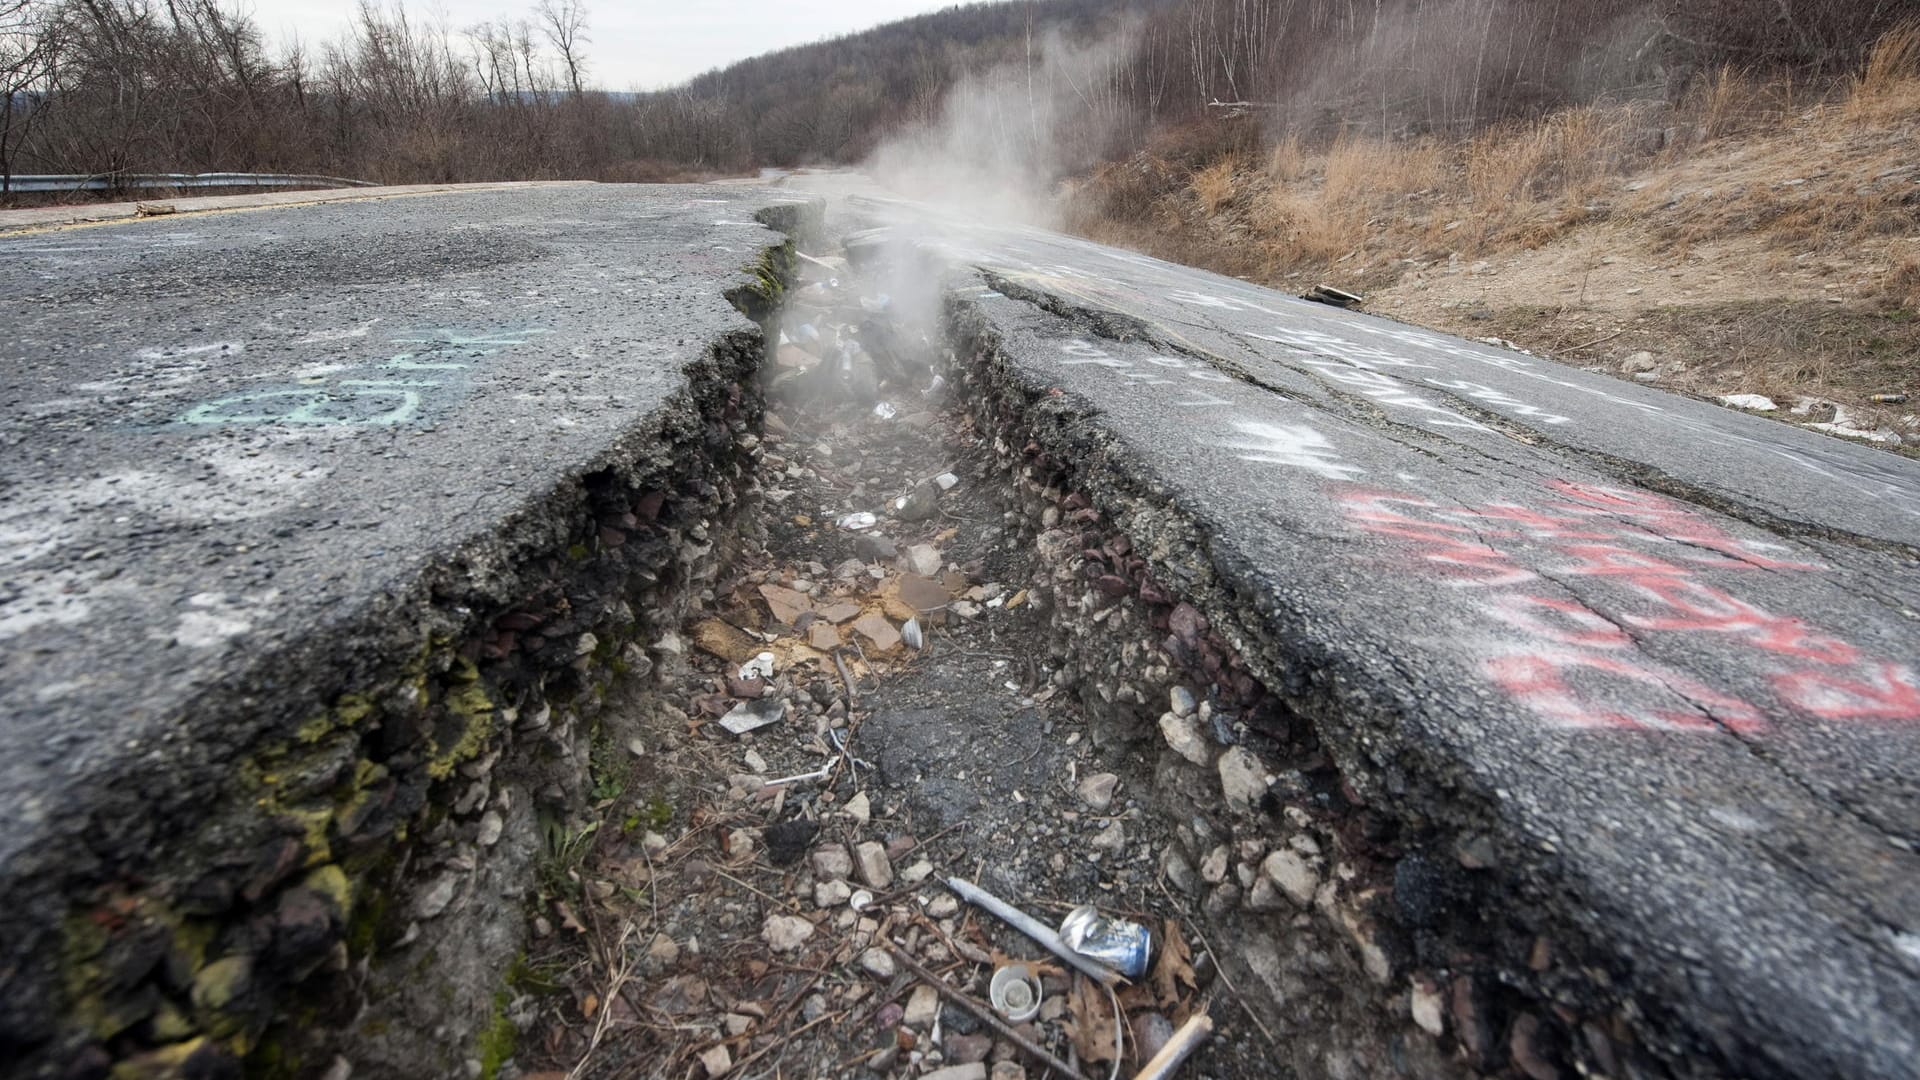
(397,390)
(1588,584)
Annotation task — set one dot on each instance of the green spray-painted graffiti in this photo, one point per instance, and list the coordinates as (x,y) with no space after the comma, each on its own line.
(332,401)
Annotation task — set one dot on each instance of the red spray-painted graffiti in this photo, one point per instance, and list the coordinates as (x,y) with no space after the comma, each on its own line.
(1580,668)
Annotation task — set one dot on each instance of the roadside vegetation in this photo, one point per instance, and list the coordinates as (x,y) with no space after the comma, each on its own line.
(1758,233)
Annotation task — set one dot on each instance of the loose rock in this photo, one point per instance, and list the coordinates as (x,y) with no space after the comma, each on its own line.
(875,869)
(1293,874)
(785,933)
(1097,791)
(832,861)
(877,963)
(1242,778)
(1185,737)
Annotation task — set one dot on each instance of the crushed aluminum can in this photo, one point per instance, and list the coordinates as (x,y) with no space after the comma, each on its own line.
(1121,945)
(858,521)
(1888,399)
(885,410)
(1015,993)
(911,634)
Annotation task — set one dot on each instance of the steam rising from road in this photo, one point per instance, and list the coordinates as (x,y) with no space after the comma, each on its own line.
(1003,137)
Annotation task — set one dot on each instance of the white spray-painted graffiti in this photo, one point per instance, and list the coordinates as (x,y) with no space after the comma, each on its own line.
(1160,371)
(375,398)
(1294,445)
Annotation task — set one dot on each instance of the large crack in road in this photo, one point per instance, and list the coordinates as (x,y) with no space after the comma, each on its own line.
(617,709)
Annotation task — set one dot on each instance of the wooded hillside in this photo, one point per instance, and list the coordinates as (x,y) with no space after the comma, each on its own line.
(104,86)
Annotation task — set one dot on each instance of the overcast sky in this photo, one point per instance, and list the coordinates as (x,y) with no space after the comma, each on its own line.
(642,44)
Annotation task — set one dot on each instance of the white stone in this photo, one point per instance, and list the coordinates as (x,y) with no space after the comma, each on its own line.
(877,963)
(924,559)
(831,894)
(716,1061)
(922,1008)
(1243,780)
(491,827)
(785,933)
(1424,999)
(917,873)
(1185,738)
(1111,838)
(876,870)
(1097,789)
(1295,876)
(859,808)
(1182,701)
(1213,868)
(741,843)
(943,906)
(831,861)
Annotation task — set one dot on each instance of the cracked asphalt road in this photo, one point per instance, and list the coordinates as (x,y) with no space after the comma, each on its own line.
(241,449)
(1673,646)
(1670,647)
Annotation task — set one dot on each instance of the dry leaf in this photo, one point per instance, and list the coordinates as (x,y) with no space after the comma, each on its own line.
(1174,967)
(567,917)
(1090,1023)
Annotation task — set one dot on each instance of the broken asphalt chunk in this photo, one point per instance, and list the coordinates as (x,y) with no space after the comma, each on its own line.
(753,715)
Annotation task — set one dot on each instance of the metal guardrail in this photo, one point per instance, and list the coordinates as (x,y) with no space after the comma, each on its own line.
(148,181)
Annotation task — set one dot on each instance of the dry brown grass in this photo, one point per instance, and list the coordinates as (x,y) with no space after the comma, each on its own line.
(1796,166)
(1288,162)
(1900,288)
(1213,185)
(1889,86)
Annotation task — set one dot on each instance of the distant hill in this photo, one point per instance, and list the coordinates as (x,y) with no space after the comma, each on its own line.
(831,101)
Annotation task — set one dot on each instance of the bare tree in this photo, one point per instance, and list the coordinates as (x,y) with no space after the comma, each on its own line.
(564,23)
(28,44)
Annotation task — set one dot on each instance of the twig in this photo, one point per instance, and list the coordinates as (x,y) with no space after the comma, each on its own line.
(853,693)
(776,901)
(1221,969)
(983,1013)
(935,836)
(620,973)
(891,994)
(1595,341)
(741,1065)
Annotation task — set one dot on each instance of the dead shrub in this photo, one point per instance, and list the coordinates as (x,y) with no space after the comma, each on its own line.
(1213,185)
